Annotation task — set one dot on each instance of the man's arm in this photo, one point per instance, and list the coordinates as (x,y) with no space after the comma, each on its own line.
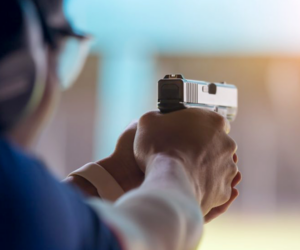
(121,165)
(162,214)
(189,163)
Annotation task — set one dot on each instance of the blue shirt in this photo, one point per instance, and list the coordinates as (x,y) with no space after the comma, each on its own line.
(37,212)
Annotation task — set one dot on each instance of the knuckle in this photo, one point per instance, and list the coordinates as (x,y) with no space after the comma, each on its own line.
(226,196)
(219,120)
(233,145)
(233,169)
(147,117)
(230,145)
(132,125)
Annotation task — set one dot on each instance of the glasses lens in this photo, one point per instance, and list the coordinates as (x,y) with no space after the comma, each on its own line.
(72,59)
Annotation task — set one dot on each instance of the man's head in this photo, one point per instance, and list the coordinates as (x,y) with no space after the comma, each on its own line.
(34,34)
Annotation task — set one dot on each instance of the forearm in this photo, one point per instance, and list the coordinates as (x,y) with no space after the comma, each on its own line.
(126,175)
(162,214)
(168,200)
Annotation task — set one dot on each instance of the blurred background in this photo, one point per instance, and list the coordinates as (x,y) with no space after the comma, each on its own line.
(252,44)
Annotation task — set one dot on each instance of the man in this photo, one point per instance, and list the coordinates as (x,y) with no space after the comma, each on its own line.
(190,168)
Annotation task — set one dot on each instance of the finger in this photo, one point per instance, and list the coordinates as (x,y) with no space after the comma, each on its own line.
(230,147)
(236,180)
(217,211)
(223,121)
(235,158)
(126,139)
(132,125)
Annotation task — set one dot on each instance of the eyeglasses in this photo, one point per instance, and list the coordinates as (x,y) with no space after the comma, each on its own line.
(72,55)
(72,58)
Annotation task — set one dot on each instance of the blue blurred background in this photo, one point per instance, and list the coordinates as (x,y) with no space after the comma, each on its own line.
(252,44)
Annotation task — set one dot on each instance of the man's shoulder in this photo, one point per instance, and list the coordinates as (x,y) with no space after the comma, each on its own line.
(17,167)
(35,203)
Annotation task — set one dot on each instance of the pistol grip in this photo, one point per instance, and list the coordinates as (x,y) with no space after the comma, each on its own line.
(170,106)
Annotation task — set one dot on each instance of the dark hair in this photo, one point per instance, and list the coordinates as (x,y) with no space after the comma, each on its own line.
(10,24)
(52,18)
(54,22)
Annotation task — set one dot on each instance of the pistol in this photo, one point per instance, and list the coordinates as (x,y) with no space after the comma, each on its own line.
(175,93)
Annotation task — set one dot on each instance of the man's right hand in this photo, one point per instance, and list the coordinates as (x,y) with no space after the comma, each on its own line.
(199,139)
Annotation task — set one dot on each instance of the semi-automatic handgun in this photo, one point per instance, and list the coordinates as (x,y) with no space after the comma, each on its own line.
(175,93)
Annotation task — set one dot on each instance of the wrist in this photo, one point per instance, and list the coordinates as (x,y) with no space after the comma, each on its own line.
(169,171)
(172,156)
(164,159)
(83,184)
(128,176)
